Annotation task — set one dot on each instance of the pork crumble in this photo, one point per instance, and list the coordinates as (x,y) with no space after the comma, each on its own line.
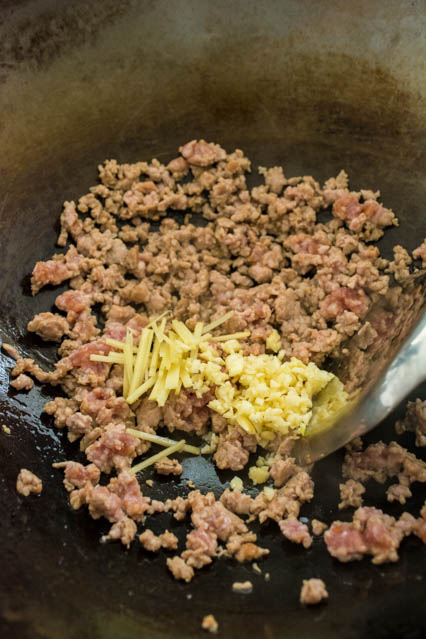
(270,255)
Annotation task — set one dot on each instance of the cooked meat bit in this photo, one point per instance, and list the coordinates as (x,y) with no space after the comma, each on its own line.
(121,497)
(351,494)
(168,466)
(370,532)
(210,624)
(400,266)
(27,483)
(286,501)
(274,178)
(211,514)
(378,461)
(318,527)
(180,506)
(22,382)
(50,272)
(148,415)
(101,502)
(153,542)
(420,253)
(202,153)
(114,449)
(250,552)
(236,501)
(419,527)
(414,420)
(368,218)
(242,586)
(234,448)
(236,540)
(27,365)
(178,167)
(179,569)
(344,299)
(187,412)
(103,405)
(78,425)
(296,531)
(70,224)
(51,327)
(381,461)
(201,545)
(124,529)
(10,350)
(282,470)
(313,591)
(61,408)
(134,504)
(398,492)
(76,475)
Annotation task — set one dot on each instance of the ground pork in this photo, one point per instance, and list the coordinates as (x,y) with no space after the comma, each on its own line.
(179,569)
(12,351)
(318,527)
(242,586)
(282,470)
(236,501)
(351,494)
(313,591)
(414,420)
(124,529)
(153,542)
(76,475)
(212,515)
(371,532)
(380,461)
(22,382)
(249,552)
(420,253)
(286,501)
(115,448)
(168,466)
(210,624)
(296,531)
(234,448)
(49,326)
(28,483)
(267,254)
(148,415)
(187,412)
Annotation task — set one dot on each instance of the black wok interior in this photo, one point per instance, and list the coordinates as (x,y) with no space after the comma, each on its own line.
(312,86)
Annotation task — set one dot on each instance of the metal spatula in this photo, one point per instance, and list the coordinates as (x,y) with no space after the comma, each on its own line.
(380,375)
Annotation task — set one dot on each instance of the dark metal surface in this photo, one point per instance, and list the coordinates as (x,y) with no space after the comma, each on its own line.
(312,86)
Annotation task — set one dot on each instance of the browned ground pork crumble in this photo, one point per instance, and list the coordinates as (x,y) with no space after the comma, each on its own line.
(210,624)
(242,586)
(313,591)
(264,253)
(27,483)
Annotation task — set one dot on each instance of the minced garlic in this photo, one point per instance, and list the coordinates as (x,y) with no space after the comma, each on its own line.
(269,492)
(259,474)
(273,341)
(236,483)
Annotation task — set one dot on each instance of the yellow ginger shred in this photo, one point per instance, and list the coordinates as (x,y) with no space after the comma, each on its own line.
(155,458)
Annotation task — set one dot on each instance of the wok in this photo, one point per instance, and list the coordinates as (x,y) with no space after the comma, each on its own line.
(313,86)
